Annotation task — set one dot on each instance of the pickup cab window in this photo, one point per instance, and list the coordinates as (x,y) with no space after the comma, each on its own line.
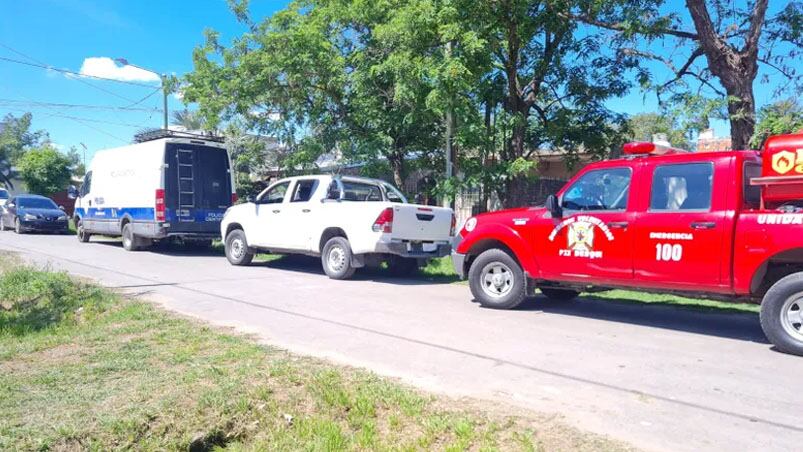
(304,190)
(275,194)
(604,189)
(361,191)
(682,187)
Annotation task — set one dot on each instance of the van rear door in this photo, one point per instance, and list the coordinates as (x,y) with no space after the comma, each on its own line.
(197,187)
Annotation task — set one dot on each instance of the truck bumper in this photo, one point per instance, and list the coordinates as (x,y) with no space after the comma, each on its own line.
(413,250)
(458,259)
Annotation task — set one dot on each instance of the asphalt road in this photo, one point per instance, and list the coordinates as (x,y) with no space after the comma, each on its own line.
(659,377)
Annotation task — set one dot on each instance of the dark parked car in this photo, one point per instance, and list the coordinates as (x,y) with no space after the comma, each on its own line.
(32,213)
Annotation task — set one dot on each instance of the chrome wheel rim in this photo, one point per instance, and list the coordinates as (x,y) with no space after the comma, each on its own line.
(237,248)
(336,258)
(792,316)
(497,280)
(126,238)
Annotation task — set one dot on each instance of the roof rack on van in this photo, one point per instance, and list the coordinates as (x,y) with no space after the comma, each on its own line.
(156,134)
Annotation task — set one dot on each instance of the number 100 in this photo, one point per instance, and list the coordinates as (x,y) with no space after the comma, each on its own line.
(668,252)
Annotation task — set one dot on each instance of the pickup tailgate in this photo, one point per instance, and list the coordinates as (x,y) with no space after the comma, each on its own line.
(421,223)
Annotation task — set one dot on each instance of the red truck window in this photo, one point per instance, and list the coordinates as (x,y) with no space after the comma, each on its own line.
(752,193)
(603,189)
(682,187)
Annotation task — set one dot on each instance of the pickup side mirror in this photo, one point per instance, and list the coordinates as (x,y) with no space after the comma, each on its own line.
(61,208)
(553,205)
(72,192)
(251,199)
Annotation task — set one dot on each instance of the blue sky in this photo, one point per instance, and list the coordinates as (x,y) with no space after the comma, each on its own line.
(158,35)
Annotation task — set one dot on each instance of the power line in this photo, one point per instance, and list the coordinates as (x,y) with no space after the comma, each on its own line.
(80,118)
(69,72)
(17,102)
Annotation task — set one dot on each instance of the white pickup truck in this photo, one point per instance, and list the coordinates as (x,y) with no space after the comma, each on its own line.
(350,222)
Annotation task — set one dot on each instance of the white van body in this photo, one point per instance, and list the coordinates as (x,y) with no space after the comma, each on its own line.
(165,187)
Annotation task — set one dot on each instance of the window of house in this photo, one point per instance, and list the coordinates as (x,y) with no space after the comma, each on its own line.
(682,187)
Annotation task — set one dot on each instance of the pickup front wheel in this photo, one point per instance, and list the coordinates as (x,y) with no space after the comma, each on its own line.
(497,280)
(237,251)
(782,314)
(337,258)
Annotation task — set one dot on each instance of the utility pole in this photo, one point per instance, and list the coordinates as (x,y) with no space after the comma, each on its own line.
(449,132)
(162,78)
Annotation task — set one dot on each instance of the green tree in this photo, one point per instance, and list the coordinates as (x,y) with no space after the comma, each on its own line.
(643,126)
(785,116)
(190,120)
(16,138)
(45,170)
(717,48)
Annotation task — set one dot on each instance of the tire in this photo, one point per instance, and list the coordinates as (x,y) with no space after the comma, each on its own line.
(2,224)
(782,314)
(237,251)
(18,226)
(337,258)
(131,241)
(559,294)
(80,233)
(402,266)
(497,280)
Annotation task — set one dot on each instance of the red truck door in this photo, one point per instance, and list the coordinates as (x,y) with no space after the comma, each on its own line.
(679,233)
(592,241)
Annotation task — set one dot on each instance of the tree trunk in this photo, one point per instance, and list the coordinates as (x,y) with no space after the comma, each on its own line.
(397,166)
(741,113)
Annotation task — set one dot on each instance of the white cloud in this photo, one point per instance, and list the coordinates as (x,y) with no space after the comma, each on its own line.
(106,67)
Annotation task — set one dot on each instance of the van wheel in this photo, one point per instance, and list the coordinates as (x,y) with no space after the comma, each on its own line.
(18,226)
(559,294)
(132,242)
(782,314)
(81,233)
(237,251)
(337,258)
(497,280)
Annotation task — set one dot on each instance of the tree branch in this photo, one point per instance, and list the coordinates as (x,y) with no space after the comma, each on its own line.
(756,22)
(620,27)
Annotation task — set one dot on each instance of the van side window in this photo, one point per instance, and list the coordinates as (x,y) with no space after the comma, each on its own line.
(682,187)
(275,194)
(752,193)
(605,189)
(87,185)
(304,190)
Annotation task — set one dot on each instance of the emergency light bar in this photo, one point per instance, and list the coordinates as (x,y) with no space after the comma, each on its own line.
(644,147)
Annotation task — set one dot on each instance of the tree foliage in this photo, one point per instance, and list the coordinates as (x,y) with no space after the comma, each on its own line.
(717,47)
(375,81)
(16,137)
(785,116)
(45,170)
(644,126)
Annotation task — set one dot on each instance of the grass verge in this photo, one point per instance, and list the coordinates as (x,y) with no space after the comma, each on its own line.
(84,368)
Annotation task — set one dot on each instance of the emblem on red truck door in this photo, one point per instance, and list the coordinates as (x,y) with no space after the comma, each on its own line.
(580,236)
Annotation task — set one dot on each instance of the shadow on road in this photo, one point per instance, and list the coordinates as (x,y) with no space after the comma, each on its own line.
(740,326)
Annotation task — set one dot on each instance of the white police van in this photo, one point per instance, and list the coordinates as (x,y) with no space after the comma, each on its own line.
(167,185)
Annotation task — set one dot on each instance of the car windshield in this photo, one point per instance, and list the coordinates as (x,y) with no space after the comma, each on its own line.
(36,203)
(3,194)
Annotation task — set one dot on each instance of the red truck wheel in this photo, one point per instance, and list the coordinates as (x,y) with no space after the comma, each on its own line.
(782,314)
(497,280)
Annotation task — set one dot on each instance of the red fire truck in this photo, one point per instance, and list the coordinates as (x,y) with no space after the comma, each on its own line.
(720,225)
